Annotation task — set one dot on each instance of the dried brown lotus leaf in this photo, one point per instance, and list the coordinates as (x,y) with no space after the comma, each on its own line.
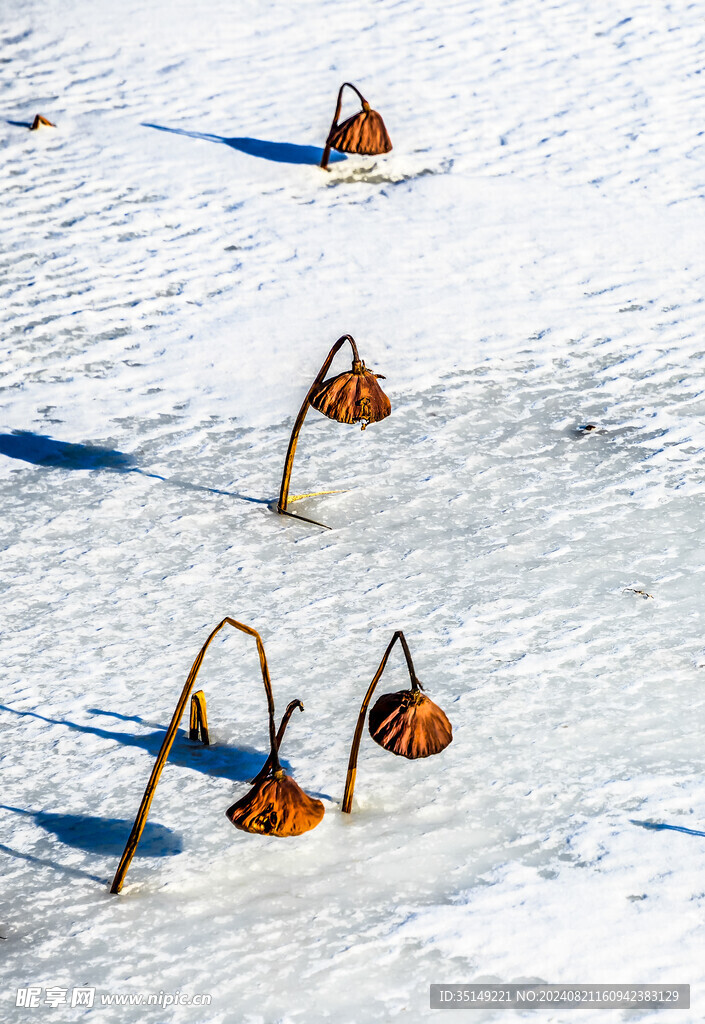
(409,724)
(364,133)
(276,806)
(352,397)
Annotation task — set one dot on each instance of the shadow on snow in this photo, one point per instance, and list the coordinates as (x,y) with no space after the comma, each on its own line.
(279,152)
(42,862)
(658,827)
(104,835)
(41,450)
(238,764)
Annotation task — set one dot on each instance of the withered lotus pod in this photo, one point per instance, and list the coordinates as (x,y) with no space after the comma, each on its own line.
(409,724)
(352,397)
(39,119)
(276,806)
(363,133)
(406,722)
(292,811)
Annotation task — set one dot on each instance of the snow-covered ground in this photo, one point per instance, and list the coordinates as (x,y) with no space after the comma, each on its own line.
(527,260)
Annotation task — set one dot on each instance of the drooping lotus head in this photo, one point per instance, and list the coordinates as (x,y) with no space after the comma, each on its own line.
(364,133)
(276,806)
(409,724)
(353,397)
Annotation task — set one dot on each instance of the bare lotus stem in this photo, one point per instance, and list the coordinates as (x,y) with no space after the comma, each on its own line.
(334,123)
(353,397)
(298,424)
(354,750)
(406,723)
(198,719)
(141,819)
(266,767)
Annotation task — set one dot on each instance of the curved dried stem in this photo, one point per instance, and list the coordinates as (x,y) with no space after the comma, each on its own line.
(267,766)
(298,424)
(167,743)
(334,123)
(354,750)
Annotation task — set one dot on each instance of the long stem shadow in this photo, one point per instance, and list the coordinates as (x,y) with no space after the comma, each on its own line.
(41,450)
(103,835)
(659,826)
(238,764)
(279,152)
(42,862)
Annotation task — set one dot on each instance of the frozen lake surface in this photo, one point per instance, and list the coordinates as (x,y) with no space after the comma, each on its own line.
(526,262)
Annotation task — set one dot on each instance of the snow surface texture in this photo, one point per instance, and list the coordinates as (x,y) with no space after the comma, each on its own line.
(175,267)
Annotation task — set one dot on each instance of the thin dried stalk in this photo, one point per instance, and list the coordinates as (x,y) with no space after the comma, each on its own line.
(354,750)
(296,430)
(334,123)
(141,819)
(267,766)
